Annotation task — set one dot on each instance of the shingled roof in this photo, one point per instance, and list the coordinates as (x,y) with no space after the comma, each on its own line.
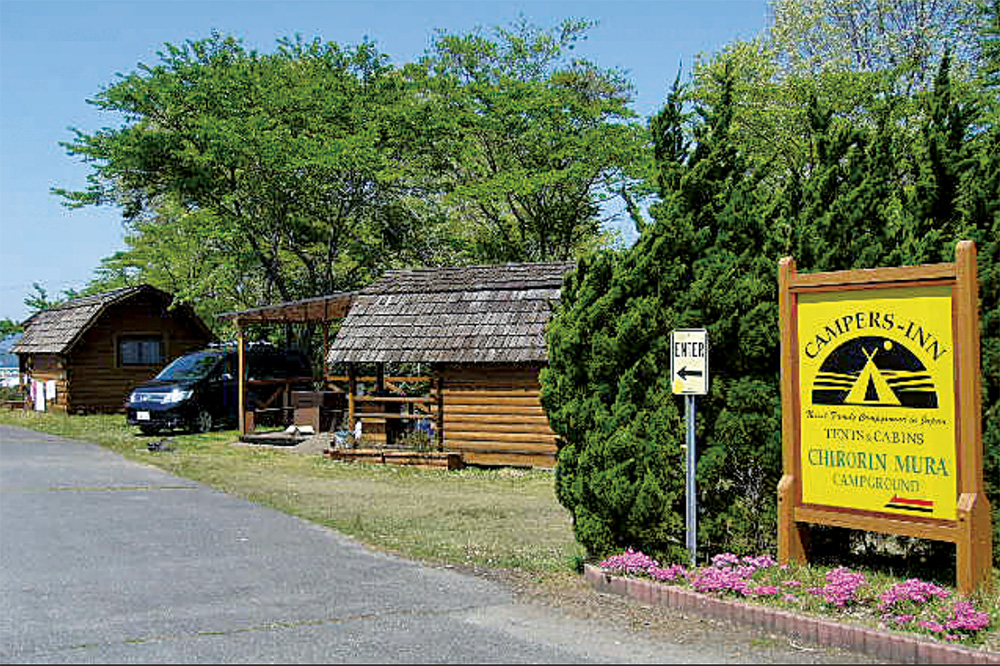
(54,331)
(467,314)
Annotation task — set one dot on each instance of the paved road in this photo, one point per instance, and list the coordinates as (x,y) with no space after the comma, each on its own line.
(103,560)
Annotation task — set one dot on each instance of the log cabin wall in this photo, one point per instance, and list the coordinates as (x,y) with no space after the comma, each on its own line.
(493,415)
(97,380)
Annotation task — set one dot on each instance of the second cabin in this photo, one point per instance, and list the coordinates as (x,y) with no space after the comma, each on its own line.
(480,330)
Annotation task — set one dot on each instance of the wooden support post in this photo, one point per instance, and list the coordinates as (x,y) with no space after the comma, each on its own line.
(326,350)
(241,382)
(792,536)
(440,410)
(352,389)
(974,550)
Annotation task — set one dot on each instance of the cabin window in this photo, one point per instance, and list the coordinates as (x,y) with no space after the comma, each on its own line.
(140,350)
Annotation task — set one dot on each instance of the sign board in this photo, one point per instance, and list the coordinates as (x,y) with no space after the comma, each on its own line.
(880,403)
(877,396)
(689,361)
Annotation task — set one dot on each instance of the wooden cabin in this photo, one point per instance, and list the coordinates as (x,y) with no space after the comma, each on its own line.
(481,332)
(94,350)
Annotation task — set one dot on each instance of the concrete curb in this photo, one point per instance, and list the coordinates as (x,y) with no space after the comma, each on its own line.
(879,644)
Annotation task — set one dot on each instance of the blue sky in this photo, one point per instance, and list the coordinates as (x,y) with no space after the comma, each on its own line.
(54,55)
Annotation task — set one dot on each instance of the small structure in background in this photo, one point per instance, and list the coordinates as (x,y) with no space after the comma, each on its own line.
(9,375)
(481,332)
(87,354)
(11,394)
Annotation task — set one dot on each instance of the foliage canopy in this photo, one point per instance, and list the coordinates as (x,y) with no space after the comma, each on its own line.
(247,178)
(872,173)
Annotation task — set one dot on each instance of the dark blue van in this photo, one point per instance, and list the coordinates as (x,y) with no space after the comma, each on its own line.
(199,391)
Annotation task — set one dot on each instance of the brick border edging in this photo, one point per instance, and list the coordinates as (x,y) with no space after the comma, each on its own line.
(879,644)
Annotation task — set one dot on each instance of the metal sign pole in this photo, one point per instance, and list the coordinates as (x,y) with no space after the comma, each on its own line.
(689,377)
(691,519)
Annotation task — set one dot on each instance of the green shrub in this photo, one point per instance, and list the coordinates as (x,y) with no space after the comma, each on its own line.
(709,260)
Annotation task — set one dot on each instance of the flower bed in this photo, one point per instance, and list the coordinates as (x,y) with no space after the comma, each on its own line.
(911,605)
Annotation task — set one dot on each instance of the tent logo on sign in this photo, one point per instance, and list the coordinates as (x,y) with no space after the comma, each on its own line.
(874,371)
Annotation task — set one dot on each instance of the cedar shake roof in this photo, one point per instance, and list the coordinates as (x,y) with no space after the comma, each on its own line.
(466,314)
(54,331)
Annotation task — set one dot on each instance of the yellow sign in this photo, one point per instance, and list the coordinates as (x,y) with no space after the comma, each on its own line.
(877,401)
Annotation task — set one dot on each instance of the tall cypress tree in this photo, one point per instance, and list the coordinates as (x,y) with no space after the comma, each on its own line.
(895,188)
(702,263)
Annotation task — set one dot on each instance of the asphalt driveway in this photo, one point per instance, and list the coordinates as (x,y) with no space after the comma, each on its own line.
(103,560)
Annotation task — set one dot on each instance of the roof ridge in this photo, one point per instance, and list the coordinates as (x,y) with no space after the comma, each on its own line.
(90,299)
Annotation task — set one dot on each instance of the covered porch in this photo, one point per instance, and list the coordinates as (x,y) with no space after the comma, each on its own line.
(386,405)
(291,406)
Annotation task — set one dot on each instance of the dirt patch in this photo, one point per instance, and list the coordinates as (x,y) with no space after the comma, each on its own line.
(314,445)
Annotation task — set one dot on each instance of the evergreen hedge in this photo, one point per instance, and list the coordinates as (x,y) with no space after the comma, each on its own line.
(899,189)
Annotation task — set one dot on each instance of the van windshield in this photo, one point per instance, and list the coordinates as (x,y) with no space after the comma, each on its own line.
(190,366)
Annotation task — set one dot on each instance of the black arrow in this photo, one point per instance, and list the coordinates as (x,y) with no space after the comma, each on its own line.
(684,373)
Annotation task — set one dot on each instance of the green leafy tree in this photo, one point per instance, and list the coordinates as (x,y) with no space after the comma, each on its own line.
(182,252)
(534,142)
(290,159)
(39,299)
(247,178)
(702,262)
(9,326)
(905,37)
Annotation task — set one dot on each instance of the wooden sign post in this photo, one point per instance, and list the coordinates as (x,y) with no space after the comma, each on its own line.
(881,415)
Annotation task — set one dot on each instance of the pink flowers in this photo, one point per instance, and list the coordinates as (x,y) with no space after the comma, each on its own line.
(730,573)
(912,590)
(959,621)
(841,587)
(630,562)
(965,617)
(670,574)
(951,624)
(912,605)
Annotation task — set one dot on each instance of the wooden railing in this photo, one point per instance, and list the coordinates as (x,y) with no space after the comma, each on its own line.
(284,394)
(366,406)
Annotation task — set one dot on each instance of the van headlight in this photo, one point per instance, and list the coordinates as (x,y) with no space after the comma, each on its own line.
(134,396)
(177,395)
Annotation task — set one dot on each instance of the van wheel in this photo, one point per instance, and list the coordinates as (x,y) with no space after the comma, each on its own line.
(204,421)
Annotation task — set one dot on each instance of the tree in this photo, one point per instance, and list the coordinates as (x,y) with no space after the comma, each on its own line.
(247,178)
(905,37)
(896,181)
(291,161)
(39,300)
(535,142)
(702,262)
(182,252)
(849,54)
